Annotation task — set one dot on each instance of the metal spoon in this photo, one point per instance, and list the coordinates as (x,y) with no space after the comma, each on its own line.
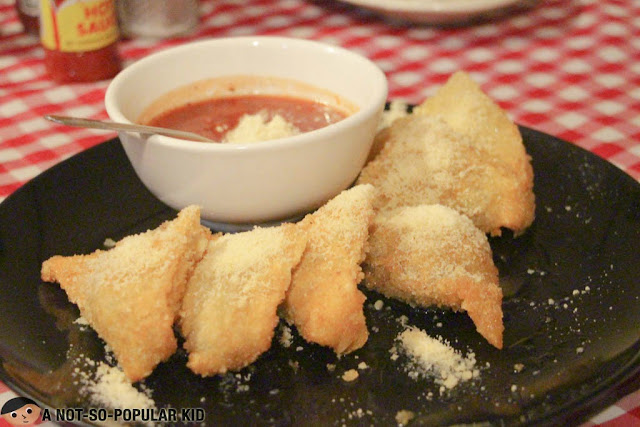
(106,125)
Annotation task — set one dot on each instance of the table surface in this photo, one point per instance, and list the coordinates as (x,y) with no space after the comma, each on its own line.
(569,68)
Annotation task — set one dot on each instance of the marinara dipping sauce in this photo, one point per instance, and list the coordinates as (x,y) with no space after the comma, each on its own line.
(214,117)
(230,99)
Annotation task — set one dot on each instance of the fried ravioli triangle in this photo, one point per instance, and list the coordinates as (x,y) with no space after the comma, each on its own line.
(432,255)
(462,104)
(324,302)
(131,293)
(229,311)
(467,109)
(425,161)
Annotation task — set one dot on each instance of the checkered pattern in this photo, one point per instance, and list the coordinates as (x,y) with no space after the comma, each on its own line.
(567,68)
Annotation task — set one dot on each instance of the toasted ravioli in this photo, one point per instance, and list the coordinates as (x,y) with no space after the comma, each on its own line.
(131,294)
(467,109)
(425,161)
(229,311)
(323,301)
(462,104)
(432,255)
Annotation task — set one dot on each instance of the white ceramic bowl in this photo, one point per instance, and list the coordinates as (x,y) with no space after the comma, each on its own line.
(257,182)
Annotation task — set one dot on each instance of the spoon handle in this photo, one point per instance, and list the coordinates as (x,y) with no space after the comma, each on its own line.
(105,125)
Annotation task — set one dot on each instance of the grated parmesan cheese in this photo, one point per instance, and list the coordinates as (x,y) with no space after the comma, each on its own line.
(403,417)
(258,127)
(111,388)
(434,357)
(350,375)
(286,338)
(81,321)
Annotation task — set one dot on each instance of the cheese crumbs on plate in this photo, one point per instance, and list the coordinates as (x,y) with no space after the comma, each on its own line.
(404,417)
(112,389)
(350,375)
(435,357)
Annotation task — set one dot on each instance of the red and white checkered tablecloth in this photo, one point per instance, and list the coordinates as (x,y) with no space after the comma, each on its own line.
(570,68)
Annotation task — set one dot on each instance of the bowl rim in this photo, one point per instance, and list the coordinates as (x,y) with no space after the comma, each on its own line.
(380,88)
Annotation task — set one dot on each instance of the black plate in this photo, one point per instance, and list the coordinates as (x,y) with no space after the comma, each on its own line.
(572,309)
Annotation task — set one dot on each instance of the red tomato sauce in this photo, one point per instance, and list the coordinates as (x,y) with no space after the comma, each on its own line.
(214,117)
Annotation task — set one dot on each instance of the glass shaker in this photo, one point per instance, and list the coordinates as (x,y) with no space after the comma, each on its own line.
(158,18)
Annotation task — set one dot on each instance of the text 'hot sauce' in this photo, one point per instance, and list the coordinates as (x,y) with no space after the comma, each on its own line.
(79,38)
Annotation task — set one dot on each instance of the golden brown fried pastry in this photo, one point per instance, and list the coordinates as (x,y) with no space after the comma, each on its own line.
(324,301)
(229,311)
(431,255)
(131,293)
(461,103)
(425,161)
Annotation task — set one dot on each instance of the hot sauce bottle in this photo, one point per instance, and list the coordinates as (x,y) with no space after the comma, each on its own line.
(80,39)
